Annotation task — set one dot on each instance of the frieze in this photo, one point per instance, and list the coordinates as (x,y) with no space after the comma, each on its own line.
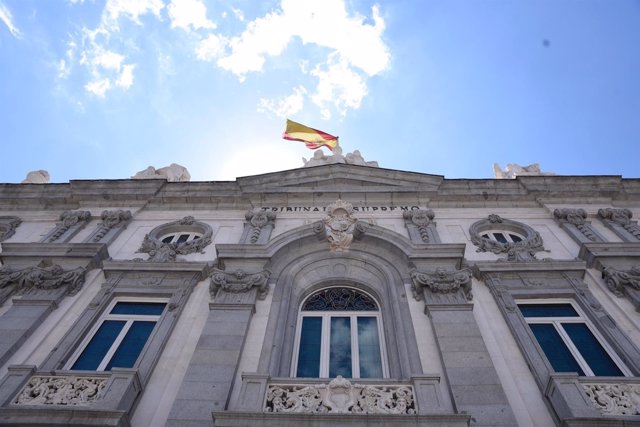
(239,281)
(614,398)
(441,281)
(61,390)
(340,396)
(360,209)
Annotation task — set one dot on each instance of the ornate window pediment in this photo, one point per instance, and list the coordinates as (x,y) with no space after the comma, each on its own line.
(182,237)
(503,236)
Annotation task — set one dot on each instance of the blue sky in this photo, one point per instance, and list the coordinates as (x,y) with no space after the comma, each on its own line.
(102,89)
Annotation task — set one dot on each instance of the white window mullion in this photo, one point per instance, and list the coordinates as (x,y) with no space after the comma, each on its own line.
(572,348)
(114,346)
(355,355)
(325,343)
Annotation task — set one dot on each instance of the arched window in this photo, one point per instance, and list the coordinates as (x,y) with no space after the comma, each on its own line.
(180,237)
(339,333)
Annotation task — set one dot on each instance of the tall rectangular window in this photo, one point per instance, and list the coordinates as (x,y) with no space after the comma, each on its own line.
(119,336)
(568,341)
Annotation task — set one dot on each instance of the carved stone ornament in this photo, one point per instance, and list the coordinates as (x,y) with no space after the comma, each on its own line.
(239,282)
(340,396)
(42,277)
(258,219)
(339,227)
(355,158)
(523,250)
(441,281)
(111,219)
(577,218)
(616,279)
(614,399)
(421,218)
(8,225)
(61,390)
(172,173)
(160,251)
(622,218)
(67,220)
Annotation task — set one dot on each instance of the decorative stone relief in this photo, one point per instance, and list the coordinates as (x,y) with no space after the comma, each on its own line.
(339,227)
(8,225)
(42,277)
(239,281)
(619,220)
(441,281)
(614,399)
(355,158)
(258,227)
(340,396)
(624,283)
(160,251)
(523,250)
(37,177)
(172,173)
(576,220)
(110,221)
(70,223)
(420,225)
(61,390)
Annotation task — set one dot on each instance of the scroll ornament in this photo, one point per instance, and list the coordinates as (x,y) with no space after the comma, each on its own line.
(421,218)
(441,281)
(616,279)
(68,219)
(340,396)
(524,250)
(622,217)
(164,252)
(61,390)
(258,219)
(577,218)
(42,278)
(239,282)
(110,219)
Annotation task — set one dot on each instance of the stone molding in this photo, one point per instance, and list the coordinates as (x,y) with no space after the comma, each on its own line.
(8,225)
(614,398)
(339,228)
(258,227)
(165,252)
(616,279)
(619,220)
(70,223)
(340,396)
(111,220)
(67,390)
(45,277)
(574,221)
(441,281)
(420,225)
(239,281)
(524,250)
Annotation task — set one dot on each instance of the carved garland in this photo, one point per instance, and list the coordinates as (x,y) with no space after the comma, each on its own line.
(577,218)
(239,282)
(42,277)
(614,399)
(516,251)
(258,219)
(421,218)
(162,252)
(8,225)
(616,279)
(340,396)
(61,390)
(110,219)
(441,281)
(622,217)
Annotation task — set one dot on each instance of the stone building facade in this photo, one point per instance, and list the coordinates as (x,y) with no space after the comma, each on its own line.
(323,296)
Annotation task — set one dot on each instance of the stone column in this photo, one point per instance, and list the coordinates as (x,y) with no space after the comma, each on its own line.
(208,382)
(474,384)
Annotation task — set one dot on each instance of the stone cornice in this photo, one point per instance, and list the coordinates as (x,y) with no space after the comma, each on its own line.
(597,254)
(74,253)
(574,268)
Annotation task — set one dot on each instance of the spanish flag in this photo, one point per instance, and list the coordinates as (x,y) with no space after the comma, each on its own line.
(312,138)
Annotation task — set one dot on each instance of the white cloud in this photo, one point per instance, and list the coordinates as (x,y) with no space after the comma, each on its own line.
(239,14)
(211,48)
(338,84)
(132,9)
(7,19)
(285,107)
(125,80)
(98,87)
(188,14)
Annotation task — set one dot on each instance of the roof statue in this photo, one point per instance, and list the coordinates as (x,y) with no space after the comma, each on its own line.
(172,173)
(355,158)
(37,177)
(513,170)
